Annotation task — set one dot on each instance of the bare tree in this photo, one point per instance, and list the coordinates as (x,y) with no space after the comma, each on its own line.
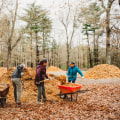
(107,27)
(66,22)
(2,3)
(10,47)
(8,32)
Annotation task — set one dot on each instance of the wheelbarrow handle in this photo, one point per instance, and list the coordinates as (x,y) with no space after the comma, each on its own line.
(70,76)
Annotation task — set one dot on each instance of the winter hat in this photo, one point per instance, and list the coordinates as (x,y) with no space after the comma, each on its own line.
(72,63)
(44,60)
(23,65)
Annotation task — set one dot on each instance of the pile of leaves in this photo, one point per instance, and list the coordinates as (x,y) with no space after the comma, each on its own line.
(103,71)
(29,74)
(2,71)
(3,86)
(29,93)
(69,85)
(52,75)
(62,79)
(53,68)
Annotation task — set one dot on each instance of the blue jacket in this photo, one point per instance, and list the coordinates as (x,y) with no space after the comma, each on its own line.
(72,73)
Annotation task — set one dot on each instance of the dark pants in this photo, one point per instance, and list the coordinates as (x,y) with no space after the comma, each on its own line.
(41,91)
(73,81)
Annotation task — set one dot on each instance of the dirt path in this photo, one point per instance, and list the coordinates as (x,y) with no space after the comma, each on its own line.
(90,81)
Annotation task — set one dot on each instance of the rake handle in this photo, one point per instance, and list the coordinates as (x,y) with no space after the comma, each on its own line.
(42,81)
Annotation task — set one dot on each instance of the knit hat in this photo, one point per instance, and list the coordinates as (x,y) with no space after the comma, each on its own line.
(23,64)
(72,63)
(44,60)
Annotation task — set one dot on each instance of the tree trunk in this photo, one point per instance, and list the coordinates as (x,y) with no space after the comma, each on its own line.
(37,50)
(52,56)
(48,58)
(43,45)
(94,46)
(9,58)
(95,49)
(68,56)
(109,5)
(96,52)
(83,57)
(89,54)
(108,55)
(31,52)
(78,59)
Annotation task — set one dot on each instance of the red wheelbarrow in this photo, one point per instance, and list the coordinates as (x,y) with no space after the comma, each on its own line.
(65,90)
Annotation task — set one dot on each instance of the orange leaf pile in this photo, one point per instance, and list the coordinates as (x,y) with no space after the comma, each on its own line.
(103,71)
(53,68)
(2,71)
(29,93)
(62,79)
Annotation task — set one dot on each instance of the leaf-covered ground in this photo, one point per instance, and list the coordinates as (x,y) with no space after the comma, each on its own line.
(95,102)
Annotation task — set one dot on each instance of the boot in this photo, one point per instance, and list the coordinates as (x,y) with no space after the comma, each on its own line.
(18,104)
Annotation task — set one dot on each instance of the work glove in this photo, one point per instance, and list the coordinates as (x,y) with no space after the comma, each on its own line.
(22,74)
(48,78)
(22,82)
(37,83)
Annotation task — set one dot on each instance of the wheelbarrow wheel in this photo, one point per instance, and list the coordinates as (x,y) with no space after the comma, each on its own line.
(62,96)
(4,100)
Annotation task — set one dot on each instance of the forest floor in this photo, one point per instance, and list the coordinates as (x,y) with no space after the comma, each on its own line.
(98,100)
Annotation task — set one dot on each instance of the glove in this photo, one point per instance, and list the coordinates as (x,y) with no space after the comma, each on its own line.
(37,83)
(48,78)
(22,82)
(22,74)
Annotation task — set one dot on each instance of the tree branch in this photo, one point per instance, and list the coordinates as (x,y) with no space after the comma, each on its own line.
(103,6)
(68,12)
(15,44)
(65,26)
(72,31)
(13,22)
(1,5)
(110,2)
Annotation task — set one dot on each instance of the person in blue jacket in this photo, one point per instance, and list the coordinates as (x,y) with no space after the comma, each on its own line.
(72,72)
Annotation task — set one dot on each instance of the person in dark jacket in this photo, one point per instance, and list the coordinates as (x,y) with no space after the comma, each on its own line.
(72,72)
(17,83)
(40,76)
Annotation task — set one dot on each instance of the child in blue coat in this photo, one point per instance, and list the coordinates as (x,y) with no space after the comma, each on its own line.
(72,72)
